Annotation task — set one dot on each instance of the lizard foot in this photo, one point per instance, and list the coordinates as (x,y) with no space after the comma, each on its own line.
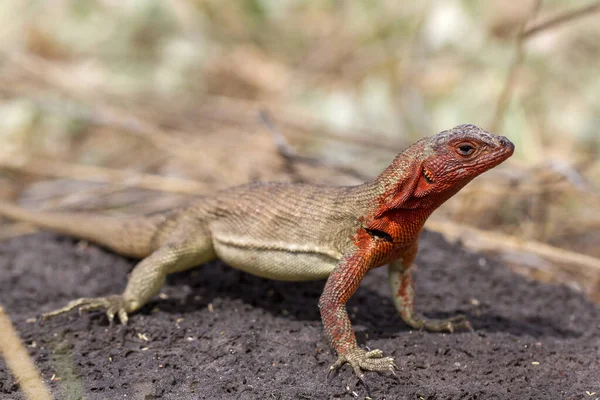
(114,305)
(458,322)
(360,360)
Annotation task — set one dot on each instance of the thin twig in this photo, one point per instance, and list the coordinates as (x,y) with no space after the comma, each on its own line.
(561,19)
(289,153)
(511,78)
(283,147)
(18,361)
(481,240)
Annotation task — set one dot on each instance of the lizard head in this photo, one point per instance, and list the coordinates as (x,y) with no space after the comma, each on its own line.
(435,168)
(452,158)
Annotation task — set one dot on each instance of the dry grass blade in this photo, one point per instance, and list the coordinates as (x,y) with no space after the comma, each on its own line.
(18,361)
(512,73)
(561,19)
(59,169)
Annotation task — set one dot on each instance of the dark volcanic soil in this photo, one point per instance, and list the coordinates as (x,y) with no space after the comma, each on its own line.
(217,333)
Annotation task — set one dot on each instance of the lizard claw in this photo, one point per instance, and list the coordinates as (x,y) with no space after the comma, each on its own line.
(361,360)
(114,305)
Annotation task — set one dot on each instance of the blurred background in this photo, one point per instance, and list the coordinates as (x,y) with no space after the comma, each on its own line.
(136,106)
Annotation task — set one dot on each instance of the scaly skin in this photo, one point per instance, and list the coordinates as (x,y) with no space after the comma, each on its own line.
(298,232)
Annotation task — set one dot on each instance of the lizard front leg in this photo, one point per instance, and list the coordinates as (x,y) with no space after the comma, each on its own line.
(340,286)
(403,293)
(145,281)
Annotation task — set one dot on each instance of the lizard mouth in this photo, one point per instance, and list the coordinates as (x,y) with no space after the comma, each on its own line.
(427,176)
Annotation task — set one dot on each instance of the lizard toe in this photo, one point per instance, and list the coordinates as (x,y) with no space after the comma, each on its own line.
(110,314)
(458,322)
(339,362)
(70,306)
(117,309)
(374,354)
(123,316)
(114,305)
(361,360)
(378,364)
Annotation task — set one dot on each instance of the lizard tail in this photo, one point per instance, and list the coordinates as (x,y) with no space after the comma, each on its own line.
(130,236)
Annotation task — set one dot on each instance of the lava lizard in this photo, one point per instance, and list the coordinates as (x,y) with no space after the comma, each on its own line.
(298,232)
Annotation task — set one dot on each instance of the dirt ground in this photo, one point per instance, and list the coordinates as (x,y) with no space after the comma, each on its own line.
(217,333)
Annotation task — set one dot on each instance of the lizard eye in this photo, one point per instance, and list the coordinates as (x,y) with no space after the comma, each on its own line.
(465,149)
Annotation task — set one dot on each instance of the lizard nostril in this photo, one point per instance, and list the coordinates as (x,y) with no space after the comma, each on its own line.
(507,145)
(505,142)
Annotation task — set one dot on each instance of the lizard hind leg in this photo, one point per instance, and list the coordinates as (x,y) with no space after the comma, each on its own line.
(146,279)
(401,284)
